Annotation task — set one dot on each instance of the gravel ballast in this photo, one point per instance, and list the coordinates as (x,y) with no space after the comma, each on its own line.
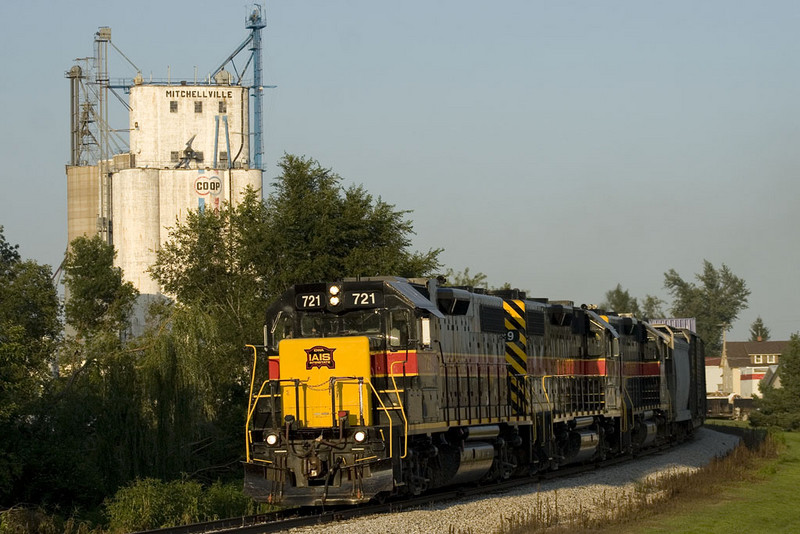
(582,494)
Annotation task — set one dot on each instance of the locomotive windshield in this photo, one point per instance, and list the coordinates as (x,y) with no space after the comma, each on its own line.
(336,310)
(353,323)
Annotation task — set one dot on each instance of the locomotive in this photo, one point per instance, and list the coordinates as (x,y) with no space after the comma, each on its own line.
(380,386)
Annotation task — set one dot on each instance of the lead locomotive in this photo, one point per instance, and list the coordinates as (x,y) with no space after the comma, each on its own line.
(377,386)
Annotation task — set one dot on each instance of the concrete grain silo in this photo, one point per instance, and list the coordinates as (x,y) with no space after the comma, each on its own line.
(189,149)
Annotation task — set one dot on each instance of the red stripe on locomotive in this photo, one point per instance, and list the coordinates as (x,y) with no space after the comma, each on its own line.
(386,363)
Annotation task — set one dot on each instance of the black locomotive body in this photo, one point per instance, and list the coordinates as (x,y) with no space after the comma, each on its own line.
(380,386)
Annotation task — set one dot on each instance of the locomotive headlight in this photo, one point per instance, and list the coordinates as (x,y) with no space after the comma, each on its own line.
(334,295)
(360,436)
(272,440)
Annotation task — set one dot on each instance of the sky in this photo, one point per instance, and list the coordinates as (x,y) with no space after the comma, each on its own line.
(562,146)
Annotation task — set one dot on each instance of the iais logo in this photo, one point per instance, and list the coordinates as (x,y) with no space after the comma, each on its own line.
(320,356)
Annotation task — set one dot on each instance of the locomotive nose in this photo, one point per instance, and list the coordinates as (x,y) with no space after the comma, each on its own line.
(333,390)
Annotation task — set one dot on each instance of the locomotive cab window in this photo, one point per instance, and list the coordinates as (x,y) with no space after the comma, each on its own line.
(353,323)
(399,329)
(282,328)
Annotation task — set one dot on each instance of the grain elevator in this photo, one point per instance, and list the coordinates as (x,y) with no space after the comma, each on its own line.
(191,145)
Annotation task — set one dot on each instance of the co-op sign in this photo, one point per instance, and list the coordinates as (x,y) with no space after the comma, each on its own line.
(208,185)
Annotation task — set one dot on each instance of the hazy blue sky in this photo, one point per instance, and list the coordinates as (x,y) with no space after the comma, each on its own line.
(562,146)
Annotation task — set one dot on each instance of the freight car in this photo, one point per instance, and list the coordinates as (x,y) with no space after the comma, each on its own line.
(382,386)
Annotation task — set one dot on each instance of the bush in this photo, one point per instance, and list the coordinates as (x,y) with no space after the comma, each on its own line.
(150,503)
(221,501)
(27,520)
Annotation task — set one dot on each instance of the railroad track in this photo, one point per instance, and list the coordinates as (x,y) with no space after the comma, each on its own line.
(314,516)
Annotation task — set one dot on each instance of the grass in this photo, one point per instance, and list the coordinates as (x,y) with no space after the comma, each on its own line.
(753,489)
(764,503)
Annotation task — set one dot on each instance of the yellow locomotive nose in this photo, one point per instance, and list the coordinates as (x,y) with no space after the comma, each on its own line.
(333,375)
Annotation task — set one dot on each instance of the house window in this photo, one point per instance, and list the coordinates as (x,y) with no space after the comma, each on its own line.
(223,108)
(223,156)
(772,358)
(198,107)
(758,358)
(198,156)
(173,106)
(175,156)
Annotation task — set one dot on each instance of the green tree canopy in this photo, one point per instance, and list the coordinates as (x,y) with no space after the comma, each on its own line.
(319,230)
(214,262)
(715,301)
(779,406)
(465,278)
(8,253)
(653,307)
(620,301)
(758,330)
(309,229)
(99,299)
(29,330)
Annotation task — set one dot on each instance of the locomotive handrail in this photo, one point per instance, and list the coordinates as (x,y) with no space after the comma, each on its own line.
(253,376)
(361,382)
(400,402)
(529,378)
(331,387)
(251,408)
(388,414)
(624,424)
(250,402)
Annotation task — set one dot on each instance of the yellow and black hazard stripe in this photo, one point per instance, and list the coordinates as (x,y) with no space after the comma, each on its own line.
(516,354)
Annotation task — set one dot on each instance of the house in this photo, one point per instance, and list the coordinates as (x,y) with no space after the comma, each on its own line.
(745,363)
(733,379)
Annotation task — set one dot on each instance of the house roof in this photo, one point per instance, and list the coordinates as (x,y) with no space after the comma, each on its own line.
(713,362)
(739,352)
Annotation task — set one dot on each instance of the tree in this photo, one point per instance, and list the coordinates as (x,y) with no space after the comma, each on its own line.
(309,229)
(84,430)
(715,302)
(99,299)
(215,262)
(223,268)
(779,406)
(653,307)
(758,330)
(464,278)
(620,301)
(8,252)
(320,231)
(29,330)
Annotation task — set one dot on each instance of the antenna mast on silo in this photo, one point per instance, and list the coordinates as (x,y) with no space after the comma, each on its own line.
(254,22)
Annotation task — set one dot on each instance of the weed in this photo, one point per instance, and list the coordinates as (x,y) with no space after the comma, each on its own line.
(651,495)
